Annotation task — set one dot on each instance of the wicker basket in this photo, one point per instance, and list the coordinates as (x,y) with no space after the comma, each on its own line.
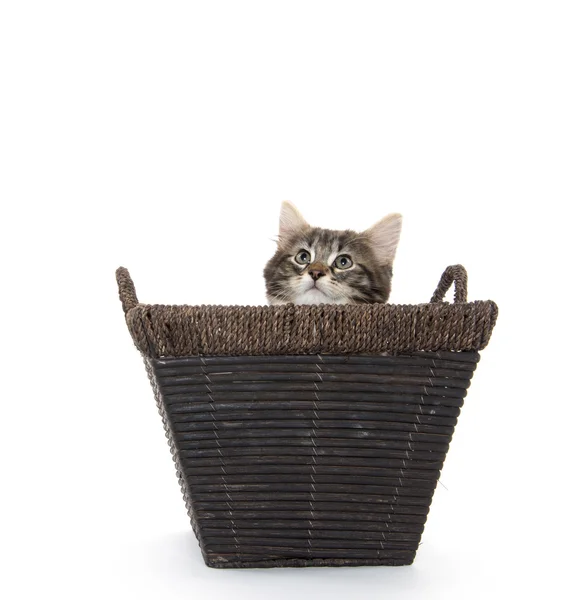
(310,435)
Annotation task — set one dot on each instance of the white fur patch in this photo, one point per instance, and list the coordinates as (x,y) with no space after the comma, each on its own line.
(325,292)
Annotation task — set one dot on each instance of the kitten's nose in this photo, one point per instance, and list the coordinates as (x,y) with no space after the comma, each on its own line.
(317,270)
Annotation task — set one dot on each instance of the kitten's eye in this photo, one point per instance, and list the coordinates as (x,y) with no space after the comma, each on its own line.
(343,262)
(303,257)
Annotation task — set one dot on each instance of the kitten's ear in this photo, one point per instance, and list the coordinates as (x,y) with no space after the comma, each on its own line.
(384,236)
(291,223)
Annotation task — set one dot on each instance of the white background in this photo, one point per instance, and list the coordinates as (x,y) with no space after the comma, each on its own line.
(163,136)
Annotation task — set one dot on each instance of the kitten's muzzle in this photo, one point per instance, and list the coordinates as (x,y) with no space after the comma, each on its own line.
(317,270)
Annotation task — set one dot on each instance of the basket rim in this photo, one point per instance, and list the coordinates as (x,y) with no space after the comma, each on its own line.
(163,330)
(181,330)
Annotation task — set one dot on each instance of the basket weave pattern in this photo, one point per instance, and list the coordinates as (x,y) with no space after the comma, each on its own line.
(325,456)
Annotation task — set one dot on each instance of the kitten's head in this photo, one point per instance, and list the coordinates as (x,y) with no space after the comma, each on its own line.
(315,266)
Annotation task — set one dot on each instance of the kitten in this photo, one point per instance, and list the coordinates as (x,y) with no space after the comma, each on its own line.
(315,266)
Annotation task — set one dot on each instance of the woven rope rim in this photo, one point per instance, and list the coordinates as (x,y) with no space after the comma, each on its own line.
(175,331)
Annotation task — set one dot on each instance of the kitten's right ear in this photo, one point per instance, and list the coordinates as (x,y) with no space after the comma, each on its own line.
(291,223)
(384,236)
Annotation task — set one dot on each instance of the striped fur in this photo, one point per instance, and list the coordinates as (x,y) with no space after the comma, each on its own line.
(367,281)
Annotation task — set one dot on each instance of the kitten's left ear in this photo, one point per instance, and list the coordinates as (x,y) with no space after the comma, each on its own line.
(384,236)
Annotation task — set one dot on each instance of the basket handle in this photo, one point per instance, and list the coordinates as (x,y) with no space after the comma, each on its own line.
(454,273)
(126,289)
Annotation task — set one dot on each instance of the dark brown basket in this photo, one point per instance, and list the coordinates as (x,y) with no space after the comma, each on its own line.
(310,435)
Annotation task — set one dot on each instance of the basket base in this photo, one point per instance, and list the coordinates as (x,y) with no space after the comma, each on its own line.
(220,563)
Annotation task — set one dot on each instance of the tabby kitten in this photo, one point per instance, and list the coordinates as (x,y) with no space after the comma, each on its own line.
(315,266)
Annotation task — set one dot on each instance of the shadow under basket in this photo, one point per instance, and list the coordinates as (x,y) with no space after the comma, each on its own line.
(310,435)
